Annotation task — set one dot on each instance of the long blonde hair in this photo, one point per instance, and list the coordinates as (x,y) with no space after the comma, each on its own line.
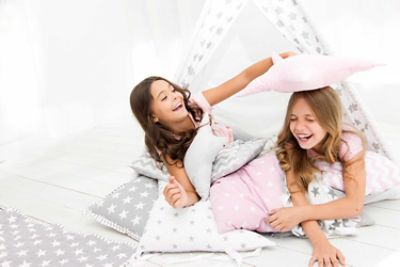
(327,107)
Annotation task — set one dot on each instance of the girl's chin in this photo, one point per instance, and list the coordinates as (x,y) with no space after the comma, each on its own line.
(306,145)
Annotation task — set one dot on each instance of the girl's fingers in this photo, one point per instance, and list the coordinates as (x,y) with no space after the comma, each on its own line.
(172,191)
(320,262)
(327,261)
(273,211)
(335,262)
(169,192)
(170,187)
(176,197)
(176,203)
(272,218)
(275,225)
(341,258)
(312,261)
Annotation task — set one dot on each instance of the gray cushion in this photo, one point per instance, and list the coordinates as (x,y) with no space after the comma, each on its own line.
(229,159)
(25,241)
(200,156)
(147,166)
(126,209)
(235,155)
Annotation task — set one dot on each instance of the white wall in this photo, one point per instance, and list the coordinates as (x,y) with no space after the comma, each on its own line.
(367,29)
(69,65)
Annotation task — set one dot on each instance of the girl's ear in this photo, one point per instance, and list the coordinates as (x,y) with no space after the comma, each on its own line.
(154,118)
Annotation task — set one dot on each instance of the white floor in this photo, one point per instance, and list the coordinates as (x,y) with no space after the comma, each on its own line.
(55,182)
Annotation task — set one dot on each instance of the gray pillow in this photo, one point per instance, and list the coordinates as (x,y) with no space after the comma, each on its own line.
(147,166)
(200,156)
(126,209)
(229,159)
(235,155)
(29,242)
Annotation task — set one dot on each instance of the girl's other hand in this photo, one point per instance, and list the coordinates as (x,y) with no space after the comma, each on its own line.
(288,54)
(175,194)
(326,255)
(284,219)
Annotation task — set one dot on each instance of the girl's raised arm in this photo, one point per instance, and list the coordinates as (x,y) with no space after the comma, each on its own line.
(223,91)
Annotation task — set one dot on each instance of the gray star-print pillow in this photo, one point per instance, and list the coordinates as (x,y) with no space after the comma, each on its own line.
(25,241)
(126,209)
(320,193)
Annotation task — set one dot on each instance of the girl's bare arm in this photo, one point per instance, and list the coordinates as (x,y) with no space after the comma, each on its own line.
(223,91)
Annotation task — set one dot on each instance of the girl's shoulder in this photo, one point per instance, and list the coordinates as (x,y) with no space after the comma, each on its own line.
(351,144)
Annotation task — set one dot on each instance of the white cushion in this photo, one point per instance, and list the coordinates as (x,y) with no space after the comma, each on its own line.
(193,229)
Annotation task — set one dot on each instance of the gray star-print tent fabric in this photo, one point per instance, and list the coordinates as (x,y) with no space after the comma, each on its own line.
(27,242)
(291,21)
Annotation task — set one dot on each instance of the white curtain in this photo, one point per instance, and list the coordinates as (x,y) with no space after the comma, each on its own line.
(19,89)
(66,66)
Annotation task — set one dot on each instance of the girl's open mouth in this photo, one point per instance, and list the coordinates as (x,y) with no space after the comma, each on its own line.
(180,106)
(304,138)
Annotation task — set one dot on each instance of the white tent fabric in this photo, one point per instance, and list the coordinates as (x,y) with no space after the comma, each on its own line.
(290,20)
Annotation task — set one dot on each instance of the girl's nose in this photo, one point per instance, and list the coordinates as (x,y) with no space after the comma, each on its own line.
(299,126)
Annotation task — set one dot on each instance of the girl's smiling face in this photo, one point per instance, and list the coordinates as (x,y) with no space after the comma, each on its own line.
(304,125)
(168,104)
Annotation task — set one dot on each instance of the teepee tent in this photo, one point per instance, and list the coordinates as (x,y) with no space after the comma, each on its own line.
(286,18)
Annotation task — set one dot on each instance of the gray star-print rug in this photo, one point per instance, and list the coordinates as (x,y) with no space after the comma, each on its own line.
(28,242)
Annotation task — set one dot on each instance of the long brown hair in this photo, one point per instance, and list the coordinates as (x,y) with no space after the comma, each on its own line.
(327,107)
(158,138)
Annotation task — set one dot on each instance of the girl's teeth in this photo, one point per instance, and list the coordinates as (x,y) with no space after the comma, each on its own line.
(304,138)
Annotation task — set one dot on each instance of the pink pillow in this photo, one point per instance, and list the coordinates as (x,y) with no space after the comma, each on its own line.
(305,72)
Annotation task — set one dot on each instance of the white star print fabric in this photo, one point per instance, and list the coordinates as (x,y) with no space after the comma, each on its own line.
(27,242)
(193,229)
